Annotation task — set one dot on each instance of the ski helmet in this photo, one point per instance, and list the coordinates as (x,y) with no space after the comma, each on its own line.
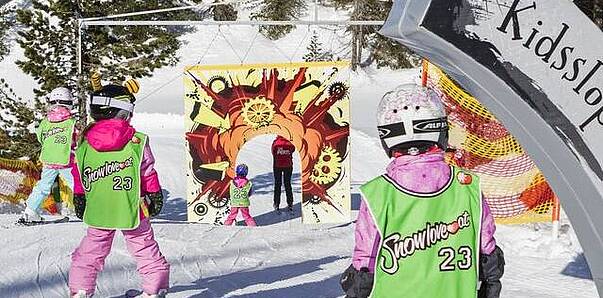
(242,170)
(113,101)
(61,96)
(411,119)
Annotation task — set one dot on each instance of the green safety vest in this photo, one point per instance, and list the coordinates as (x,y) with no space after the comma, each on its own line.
(56,139)
(239,197)
(429,242)
(111,181)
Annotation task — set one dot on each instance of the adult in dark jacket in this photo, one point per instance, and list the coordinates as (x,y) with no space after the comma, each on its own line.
(282,156)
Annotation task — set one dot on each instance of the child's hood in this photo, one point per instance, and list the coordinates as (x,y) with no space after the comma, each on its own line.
(240,181)
(110,135)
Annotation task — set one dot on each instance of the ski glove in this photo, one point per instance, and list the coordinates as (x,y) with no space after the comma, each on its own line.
(356,284)
(490,272)
(79,201)
(154,203)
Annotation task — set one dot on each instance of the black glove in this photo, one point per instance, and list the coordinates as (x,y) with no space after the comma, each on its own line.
(491,270)
(155,203)
(357,284)
(79,201)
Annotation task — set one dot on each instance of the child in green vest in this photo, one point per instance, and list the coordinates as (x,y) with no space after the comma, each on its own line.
(240,190)
(423,230)
(119,190)
(56,133)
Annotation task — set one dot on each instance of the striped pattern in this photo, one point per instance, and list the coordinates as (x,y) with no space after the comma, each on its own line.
(17,179)
(132,86)
(514,187)
(95,80)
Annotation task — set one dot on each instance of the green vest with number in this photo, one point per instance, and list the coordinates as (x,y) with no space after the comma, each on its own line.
(111,181)
(56,139)
(429,242)
(239,196)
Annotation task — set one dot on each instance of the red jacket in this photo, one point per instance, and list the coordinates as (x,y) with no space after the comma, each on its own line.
(282,153)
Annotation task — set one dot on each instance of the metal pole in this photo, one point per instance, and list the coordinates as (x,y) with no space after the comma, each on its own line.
(79,47)
(232,23)
(146,12)
(315,10)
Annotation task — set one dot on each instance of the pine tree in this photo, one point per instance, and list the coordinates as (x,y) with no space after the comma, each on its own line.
(117,52)
(49,40)
(381,50)
(17,121)
(315,51)
(17,139)
(224,12)
(593,9)
(5,25)
(279,10)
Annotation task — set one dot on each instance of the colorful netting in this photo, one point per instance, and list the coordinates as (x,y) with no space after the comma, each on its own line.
(514,187)
(17,178)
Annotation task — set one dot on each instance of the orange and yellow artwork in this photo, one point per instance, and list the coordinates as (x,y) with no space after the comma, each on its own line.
(307,103)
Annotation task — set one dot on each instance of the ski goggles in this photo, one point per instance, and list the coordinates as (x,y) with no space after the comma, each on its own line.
(117,102)
(61,102)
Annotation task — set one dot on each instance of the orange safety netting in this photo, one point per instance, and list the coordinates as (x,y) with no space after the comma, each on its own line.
(17,179)
(514,187)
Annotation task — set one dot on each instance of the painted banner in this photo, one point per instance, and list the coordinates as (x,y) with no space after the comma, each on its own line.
(538,66)
(306,103)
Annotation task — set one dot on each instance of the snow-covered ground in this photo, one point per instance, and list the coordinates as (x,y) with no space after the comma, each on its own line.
(280,258)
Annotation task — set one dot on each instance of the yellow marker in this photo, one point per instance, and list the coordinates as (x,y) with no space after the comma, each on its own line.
(95,80)
(218,166)
(132,86)
(208,117)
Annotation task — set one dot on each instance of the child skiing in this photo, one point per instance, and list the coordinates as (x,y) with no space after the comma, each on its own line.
(57,135)
(240,190)
(116,166)
(423,229)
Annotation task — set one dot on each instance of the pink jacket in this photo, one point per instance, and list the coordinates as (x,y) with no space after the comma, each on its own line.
(240,181)
(114,134)
(423,173)
(57,113)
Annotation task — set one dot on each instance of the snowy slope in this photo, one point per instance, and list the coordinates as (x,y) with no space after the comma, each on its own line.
(281,258)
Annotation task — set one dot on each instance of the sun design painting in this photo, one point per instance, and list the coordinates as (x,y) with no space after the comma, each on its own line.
(307,103)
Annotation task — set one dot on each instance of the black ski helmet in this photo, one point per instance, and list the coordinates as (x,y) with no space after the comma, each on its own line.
(113,101)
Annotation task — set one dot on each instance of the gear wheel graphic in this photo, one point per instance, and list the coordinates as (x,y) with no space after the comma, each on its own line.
(258,112)
(327,167)
(217,83)
(217,203)
(338,89)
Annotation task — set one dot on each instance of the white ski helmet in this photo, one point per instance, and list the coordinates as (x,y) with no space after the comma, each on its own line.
(61,96)
(411,119)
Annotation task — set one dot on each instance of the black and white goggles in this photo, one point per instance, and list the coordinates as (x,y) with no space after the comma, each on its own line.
(61,102)
(112,102)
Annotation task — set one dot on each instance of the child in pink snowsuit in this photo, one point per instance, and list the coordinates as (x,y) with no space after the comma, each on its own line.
(110,133)
(57,155)
(240,190)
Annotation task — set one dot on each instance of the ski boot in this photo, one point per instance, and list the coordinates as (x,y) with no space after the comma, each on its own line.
(29,216)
